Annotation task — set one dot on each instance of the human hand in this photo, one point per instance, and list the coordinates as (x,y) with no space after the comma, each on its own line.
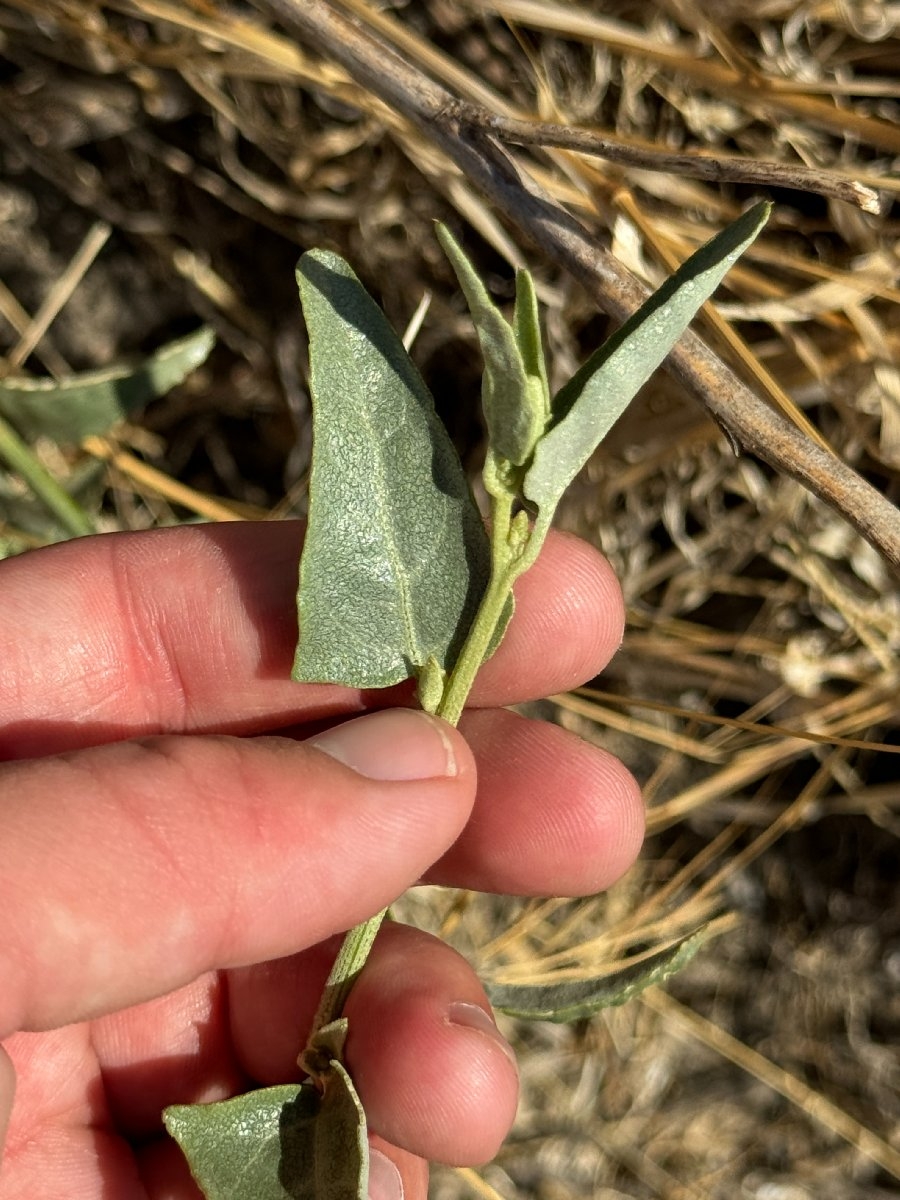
(174,887)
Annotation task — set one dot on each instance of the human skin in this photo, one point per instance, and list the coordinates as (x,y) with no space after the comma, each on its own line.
(186,832)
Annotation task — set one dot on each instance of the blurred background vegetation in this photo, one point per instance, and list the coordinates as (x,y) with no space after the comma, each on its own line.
(162,167)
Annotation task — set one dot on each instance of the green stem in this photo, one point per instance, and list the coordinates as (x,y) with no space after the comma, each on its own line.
(475,647)
(350,961)
(490,610)
(19,456)
(512,553)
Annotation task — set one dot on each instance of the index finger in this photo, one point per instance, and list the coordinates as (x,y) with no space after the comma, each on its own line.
(193,629)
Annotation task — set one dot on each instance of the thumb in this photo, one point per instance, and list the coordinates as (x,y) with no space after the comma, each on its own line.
(133,868)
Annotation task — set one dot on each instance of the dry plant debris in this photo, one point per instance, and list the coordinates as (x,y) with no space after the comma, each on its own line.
(164,165)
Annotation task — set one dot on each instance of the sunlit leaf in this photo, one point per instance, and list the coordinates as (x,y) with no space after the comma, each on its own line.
(396,558)
(512,400)
(573,999)
(279,1143)
(587,407)
(91,403)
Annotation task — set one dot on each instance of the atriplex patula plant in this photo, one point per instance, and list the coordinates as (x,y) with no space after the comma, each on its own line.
(422,590)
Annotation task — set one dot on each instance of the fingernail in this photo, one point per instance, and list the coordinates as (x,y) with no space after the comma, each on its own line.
(397,744)
(473,1016)
(384,1178)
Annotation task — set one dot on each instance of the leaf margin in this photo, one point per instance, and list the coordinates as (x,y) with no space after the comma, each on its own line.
(585,997)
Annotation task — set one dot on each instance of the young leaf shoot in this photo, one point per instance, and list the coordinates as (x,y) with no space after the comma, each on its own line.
(513,400)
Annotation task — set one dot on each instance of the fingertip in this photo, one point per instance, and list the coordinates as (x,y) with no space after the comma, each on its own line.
(592,592)
(435,1082)
(626,824)
(464,1014)
(555,815)
(397,745)
(395,1174)
(568,623)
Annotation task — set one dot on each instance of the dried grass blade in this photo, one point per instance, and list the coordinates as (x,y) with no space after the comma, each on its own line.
(816,1106)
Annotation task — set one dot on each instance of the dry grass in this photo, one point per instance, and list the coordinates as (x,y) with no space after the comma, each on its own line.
(164,163)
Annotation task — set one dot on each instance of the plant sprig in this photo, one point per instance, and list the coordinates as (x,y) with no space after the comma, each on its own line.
(399,578)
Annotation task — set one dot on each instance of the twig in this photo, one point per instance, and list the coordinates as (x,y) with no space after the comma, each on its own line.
(760,93)
(487,165)
(726,168)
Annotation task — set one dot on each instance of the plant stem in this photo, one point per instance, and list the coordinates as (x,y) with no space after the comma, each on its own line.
(358,941)
(514,547)
(19,456)
(476,645)
(490,611)
(350,961)
(508,561)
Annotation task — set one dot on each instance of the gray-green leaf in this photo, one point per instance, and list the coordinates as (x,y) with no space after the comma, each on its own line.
(71,409)
(512,399)
(396,557)
(279,1143)
(573,999)
(527,331)
(586,408)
